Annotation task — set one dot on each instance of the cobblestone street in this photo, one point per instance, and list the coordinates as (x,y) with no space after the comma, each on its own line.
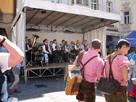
(51,90)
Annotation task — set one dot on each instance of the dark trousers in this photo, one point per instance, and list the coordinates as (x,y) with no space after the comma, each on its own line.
(118,97)
(56,57)
(2,78)
(50,58)
(28,55)
(86,92)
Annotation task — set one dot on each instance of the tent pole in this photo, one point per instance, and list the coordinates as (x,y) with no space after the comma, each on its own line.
(23,43)
(83,32)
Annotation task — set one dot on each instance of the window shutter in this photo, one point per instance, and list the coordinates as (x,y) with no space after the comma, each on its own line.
(130,16)
(104,5)
(113,7)
(64,1)
(122,17)
(100,5)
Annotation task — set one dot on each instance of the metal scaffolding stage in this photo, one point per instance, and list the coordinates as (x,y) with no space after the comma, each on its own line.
(54,69)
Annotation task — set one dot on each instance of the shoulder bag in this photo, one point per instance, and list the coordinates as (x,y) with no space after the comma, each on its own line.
(108,86)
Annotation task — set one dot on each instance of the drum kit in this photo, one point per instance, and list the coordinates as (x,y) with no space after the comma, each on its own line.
(37,57)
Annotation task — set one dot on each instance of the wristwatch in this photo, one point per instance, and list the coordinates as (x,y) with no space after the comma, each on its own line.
(4,38)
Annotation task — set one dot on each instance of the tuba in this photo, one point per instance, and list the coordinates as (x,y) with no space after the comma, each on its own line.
(35,50)
(34,40)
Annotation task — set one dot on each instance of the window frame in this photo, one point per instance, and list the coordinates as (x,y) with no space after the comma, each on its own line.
(94,3)
(126,17)
(109,7)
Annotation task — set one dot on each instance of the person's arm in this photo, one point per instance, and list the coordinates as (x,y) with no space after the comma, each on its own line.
(49,48)
(76,47)
(16,55)
(29,47)
(124,73)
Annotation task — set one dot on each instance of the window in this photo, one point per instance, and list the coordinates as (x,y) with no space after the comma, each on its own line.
(55,1)
(81,2)
(72,1)
(94,4)
(109,6)
(126,18)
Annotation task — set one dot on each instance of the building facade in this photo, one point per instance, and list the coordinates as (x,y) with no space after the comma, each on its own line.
(7,14)
(126,9)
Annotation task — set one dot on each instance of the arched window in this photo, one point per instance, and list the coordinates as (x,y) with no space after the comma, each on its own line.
(109,6)
(94,4)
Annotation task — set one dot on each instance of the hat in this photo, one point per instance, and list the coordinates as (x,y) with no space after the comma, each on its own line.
(133,79)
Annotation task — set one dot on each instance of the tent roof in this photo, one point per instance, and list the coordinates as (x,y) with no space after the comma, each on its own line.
(131,38)
(77,17)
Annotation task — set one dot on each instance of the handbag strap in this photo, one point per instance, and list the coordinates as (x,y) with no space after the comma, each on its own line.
(103,68)
(110,71)
(83,65)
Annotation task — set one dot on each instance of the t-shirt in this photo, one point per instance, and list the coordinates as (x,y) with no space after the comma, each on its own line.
(4,62)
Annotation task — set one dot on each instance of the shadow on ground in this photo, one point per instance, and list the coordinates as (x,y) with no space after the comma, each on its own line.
(40,86)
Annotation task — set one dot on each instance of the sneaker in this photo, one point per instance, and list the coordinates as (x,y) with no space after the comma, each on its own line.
(10,92)
(17,91)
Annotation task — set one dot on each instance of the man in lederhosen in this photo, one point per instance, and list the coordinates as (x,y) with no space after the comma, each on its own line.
(47,51)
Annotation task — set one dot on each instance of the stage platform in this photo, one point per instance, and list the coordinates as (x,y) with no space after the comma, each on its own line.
(54,69)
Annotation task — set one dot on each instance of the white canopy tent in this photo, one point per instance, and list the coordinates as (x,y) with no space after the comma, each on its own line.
(90,24)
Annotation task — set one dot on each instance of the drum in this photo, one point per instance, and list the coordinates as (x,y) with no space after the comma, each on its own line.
(72,80)
(35,52)
(39,58)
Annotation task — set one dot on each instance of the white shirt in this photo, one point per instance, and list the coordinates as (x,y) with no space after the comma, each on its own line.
(28,48)
(81,47)
(77,48)
(54,47)
(4,62)
(70,47)
(44,50)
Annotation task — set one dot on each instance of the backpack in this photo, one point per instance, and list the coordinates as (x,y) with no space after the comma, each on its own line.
(131,61)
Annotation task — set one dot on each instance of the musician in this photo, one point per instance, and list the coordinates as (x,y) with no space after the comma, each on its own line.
(77,47)
(47,51)
(81,47)
(70,46)
(28,50)
(55,55)
(30,43)
(63,51)
(86,46)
